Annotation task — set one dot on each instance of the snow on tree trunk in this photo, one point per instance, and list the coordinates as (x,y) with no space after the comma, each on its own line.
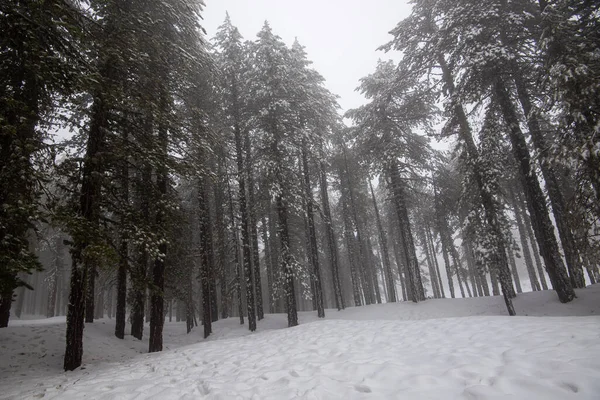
(542,226)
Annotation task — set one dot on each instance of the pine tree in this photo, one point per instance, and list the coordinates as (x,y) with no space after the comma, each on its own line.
(42,61)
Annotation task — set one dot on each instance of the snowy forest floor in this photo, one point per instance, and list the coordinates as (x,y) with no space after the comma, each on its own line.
(437,349)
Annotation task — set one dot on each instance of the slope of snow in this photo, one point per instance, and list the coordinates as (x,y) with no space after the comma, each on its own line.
(395,351)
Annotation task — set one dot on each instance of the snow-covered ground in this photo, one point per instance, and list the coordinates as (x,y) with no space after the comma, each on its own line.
(438,349)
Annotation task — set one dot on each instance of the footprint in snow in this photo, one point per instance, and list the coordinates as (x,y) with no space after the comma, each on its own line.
(362,388)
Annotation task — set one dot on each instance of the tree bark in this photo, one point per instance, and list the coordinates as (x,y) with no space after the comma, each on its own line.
(246,239)
(350,247)
(206,256)
(536,203)
(260,314)
(515,272)
(312,233)
(435,260)
(157,317)
(531,236)
(491,209)
(399,197)
(331,242)
(535,284)
(236,255)
(89,210)
(391,287)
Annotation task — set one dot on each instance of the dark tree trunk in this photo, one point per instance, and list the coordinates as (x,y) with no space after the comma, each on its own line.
(206,264)
(536,203)
(535,284)
(237,266)
(555,193)
(278,297)
(246,239)
(429,260)
(481,273)
(75,314)
(138,290)
(476,279)
(123,257)
(286,260)
(445,239)
(400,256)
(363,262)
(372,271)
(490,207)
(350,247)
(406,236)
(221,238)
(513,268)
(90,295)
(531,236)
(189,306)
(157,316)
(457,268)
(268,264)
(448,269)
(55,277)
(253,231)
(140,269)
(6,299)
(331,241)
(494,280)
(435,260)
(313,250)
(391,287)
(89,209)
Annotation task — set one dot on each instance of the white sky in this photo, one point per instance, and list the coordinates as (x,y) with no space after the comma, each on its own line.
(340,36)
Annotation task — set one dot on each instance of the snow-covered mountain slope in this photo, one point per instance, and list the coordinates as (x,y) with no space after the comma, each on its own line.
(390,351)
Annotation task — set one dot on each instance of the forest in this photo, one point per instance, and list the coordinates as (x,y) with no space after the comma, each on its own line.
(149,172)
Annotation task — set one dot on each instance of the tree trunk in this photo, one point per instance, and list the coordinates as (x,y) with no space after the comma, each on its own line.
(476,276)
(331,241)
(435,260)
(123,257)
(75,314)
(487,200)
(237,266)
(206,257)
(389,276)
(515,272)
(457,268)
(398,256)
(555,192)
(157,316)
(286,261)
(406,236)
(268,264)
(246,240)
(55,277)
(531,236)
(535,284)
(312,235)
(140,269)
(429,260)
(536,203)
(253,231)
(221,263)
(372,271)
(350,239)
(89,210)
(6,299)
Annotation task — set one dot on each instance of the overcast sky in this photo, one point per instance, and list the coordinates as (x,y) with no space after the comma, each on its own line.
(340,36)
